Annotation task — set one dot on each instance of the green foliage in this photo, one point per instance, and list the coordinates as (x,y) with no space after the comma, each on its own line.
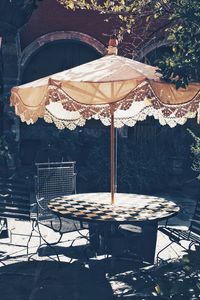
(180,19)
(8,148)
(96,169)
(175,280)
(180,279)
(94,174)
(4,151)
(191,262)
(183,66)
(195,150)
(139,170)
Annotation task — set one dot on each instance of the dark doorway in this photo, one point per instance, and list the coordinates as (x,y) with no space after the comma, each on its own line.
(51,58)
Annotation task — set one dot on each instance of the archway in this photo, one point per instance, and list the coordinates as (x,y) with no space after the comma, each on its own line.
(50,54)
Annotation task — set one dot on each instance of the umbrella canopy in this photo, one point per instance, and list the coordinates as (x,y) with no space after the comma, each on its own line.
(116,90)
(112,84)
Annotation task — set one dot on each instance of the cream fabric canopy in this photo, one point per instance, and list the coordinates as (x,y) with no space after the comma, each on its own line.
(110,85)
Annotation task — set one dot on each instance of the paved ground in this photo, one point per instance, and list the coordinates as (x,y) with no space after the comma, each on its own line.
(42,278)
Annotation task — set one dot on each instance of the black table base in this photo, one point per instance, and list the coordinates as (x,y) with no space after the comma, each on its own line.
(108,239)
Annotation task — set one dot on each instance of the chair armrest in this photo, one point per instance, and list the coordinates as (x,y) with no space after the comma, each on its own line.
(38,202)
(195,220)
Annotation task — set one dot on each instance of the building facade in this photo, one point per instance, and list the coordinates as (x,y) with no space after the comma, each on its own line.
(49,38)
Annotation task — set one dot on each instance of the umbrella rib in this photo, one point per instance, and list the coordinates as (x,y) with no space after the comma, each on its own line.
(96,86)
(120,87)
(85,92)
(172,93)
(112,90)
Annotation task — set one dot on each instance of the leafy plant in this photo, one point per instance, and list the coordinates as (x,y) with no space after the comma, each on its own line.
(176,20)
(175,280)
(4,150)
(195,150)
(183,66)
(139,170)
(180,279)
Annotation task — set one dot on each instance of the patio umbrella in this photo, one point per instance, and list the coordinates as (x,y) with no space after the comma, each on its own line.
(116,90)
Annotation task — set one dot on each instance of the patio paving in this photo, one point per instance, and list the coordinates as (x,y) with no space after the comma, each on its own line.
(42,278)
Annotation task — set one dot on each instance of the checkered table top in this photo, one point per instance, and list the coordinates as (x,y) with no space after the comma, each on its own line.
(128,208)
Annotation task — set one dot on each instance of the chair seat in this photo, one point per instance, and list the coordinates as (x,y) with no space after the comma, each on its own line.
(177,235)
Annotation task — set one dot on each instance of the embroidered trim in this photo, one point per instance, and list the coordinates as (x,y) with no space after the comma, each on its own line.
(166,113)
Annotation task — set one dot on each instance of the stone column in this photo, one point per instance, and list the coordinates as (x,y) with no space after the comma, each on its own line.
(10,51)
(1,90)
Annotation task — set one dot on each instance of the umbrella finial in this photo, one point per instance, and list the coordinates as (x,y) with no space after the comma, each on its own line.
(112,46)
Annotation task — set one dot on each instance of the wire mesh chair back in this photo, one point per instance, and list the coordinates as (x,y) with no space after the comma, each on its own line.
(53,179)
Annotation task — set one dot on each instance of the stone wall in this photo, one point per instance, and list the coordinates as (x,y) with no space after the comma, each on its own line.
(10,52)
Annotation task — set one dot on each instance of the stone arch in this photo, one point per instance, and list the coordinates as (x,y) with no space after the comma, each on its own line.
(32,65)
(56,36)
(148,47)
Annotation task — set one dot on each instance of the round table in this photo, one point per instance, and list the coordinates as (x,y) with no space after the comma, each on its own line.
(96,207)
(104,218)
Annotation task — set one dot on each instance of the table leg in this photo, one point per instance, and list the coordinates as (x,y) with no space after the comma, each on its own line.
(147,242)
(99,235)
(3,228)
(94,236)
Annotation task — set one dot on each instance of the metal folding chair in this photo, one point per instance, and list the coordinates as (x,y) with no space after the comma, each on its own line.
(54,179)
(192,234)
(15,204)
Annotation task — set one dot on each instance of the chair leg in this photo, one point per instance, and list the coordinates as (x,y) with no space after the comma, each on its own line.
(50,245)
(191,244)
(34,224)
(178,243)
(157,257)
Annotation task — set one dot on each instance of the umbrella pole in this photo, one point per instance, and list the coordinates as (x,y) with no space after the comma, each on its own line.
(112,156)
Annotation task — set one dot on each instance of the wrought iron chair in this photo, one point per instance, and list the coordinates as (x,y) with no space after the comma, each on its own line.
(15,204)
(54,179)
(192,234)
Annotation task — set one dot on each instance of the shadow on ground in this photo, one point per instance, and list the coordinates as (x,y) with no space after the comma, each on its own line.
(101,264)
(46,280)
